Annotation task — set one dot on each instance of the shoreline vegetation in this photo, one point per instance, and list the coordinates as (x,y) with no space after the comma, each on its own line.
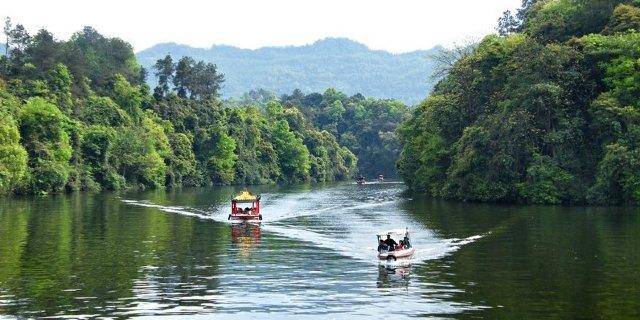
(77,115)
(546,112)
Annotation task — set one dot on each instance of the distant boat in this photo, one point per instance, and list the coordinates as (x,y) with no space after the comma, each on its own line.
(360,180)
(381,178)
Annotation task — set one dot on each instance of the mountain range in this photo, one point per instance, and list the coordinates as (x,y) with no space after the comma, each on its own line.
(338,63)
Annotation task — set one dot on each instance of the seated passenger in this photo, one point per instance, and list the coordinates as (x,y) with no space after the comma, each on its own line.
(382,247)
(391,243)
(406,242)
(400,246)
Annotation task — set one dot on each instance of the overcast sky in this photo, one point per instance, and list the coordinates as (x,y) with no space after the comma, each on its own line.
(393,25)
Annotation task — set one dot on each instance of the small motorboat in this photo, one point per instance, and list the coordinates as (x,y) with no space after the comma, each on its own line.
(380,178)
(360,180)
(401,250)
(251,210)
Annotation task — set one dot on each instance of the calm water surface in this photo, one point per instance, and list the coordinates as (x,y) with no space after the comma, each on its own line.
(173,254)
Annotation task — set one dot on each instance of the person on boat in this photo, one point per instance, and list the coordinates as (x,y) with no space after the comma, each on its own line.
(391,243)
(406,242)
(400,245)
(382,247)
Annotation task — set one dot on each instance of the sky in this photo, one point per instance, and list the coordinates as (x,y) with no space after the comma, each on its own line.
(393,25)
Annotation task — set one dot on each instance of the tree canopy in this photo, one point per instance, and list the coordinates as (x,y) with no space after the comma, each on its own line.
(78,115)
(545,113)
(366,126)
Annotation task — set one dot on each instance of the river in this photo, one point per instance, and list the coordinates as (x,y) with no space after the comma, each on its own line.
(173,254)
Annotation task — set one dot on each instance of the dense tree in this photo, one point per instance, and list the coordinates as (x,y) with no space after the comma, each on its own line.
(42,128)
(76,115)
(365,126)
(194,80)
(182,163)
(293,155)
(625,17)
(545,115)
(13,157)
(164,69)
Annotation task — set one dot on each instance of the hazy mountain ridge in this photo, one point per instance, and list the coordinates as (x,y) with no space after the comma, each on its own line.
(332,62)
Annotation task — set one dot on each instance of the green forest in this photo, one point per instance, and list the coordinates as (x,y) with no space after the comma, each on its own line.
(77,115)
(364,125)
(546,112)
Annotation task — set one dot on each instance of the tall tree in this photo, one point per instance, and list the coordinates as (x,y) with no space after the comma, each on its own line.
(164,69)
(184,75)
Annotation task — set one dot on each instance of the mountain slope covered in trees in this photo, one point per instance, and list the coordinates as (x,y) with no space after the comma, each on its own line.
(77,115)
(338,63)
(366,126)
(547,112)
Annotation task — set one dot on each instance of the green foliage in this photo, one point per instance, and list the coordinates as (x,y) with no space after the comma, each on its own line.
(257,161)
(545,182)
(366,126)
(182,163)
(293,155)
(618,176)
(540,116)
(42,131)
(13,157)
(136,158)
(164,69)
(97,153)
(103,111)
(60,82)
(195,80)
(128,97)
(624,18)
(240,144)
(222,158)
(87,55)
(89,123)
(559,20)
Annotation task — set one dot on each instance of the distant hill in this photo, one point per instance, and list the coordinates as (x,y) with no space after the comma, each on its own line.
(340,63)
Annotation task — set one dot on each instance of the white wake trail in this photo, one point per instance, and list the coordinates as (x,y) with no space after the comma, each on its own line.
(342,223)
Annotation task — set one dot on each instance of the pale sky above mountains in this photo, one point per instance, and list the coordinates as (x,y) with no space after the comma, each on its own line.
(392,25)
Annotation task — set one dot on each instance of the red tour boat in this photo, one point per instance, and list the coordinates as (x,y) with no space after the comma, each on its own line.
(245,207)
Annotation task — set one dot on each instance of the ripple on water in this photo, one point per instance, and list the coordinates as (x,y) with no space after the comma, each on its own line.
(312,256)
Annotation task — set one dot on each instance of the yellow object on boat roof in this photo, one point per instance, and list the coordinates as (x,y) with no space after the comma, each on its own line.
(245,196)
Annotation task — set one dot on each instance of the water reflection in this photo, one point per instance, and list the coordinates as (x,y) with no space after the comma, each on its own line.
(97,256)
(245,237)
(393,277)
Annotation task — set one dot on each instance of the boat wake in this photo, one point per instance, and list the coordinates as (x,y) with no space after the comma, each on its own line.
(357,245)
(335,219)
(185,211)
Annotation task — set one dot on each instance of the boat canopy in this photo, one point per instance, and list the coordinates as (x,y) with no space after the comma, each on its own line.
(245,196)
(397,232)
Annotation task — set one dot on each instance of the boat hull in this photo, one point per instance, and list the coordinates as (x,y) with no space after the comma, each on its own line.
(245,217)
(397,255)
